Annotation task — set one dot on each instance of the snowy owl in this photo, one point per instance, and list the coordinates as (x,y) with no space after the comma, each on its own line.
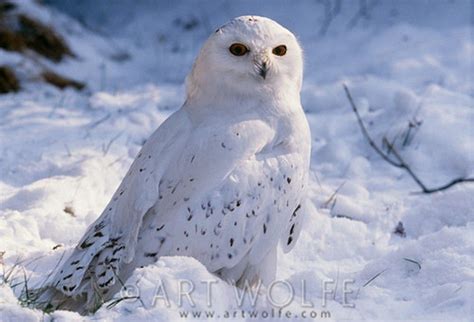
(221,180)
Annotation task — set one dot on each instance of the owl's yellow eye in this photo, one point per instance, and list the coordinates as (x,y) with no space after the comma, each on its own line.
(279,50)
(238,49)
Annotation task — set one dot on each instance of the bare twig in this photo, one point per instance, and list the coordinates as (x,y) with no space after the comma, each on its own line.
(333,195)
(413,261)
(365,133)
(404,165)
(418,181)
(95,124)
(117,160)
(114,302)
(329,13)
(374,277)
(399,162)
(100,121)
(69,154)
(105,148)
(449,185)
(413,127)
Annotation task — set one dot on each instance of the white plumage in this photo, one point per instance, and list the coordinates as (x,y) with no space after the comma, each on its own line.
(221,180)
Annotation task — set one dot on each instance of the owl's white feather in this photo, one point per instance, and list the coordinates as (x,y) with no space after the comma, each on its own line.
(221,180)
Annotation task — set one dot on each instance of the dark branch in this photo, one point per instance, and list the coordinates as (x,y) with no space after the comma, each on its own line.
(400,162)
(365,133)
(404,165)
(448,185)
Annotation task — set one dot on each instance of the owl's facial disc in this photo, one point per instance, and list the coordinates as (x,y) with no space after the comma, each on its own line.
(248,55)
(261,61)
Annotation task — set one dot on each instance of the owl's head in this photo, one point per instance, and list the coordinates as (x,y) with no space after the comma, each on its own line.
(247,55)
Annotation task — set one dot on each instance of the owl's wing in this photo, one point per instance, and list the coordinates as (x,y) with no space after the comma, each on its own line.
(293,227)
(216,168)
(113,235)
(227,199)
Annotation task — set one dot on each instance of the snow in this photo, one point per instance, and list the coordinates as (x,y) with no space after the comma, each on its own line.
(407,62)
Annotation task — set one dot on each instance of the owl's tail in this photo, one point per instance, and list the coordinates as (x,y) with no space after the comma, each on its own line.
(89,277)
(49,299)
(88,298)
(95,271)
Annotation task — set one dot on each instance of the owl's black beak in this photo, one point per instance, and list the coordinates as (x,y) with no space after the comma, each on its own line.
(263,69)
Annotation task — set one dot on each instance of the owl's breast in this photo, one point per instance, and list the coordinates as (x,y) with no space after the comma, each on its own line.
(228,196)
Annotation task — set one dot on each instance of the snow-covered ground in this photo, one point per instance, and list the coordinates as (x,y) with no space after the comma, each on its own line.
(63,153)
